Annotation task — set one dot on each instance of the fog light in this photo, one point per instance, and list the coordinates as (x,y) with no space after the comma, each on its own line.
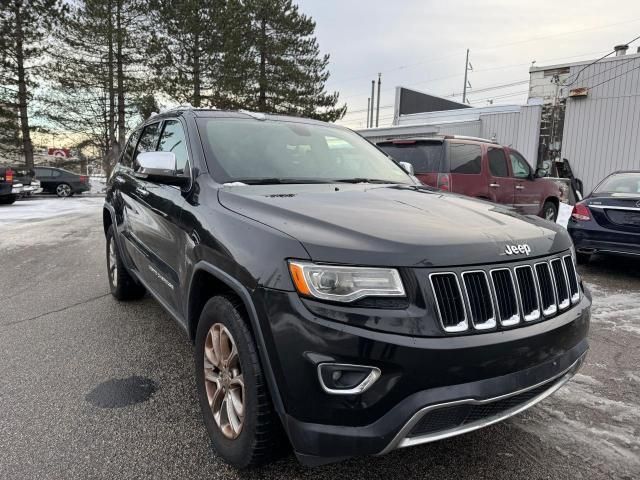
(345,379)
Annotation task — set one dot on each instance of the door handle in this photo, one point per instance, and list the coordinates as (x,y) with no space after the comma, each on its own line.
(494,185)
(519,187)
(142,191)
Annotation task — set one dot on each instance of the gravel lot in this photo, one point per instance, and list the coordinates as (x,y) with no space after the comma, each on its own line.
(66,345)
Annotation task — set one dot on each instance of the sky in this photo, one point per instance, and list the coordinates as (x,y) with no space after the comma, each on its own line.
(422,44)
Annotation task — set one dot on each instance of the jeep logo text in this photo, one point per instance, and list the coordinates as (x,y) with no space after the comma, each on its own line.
(523,248)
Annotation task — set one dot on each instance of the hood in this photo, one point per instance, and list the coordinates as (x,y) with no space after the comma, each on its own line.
(394,225)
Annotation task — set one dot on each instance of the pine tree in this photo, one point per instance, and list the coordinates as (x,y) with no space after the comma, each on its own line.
(185,50)
(99,77)
(279,67)
(24,29)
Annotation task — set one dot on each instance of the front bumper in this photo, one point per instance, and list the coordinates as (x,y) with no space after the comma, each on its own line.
(419,375)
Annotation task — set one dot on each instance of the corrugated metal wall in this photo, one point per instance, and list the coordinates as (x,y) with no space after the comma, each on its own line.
(519,130)
(601,131)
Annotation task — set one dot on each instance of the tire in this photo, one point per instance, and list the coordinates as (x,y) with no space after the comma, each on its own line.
(259,438)
(583,258)
(122,285)
(8,200)
(550,211)
(64,190)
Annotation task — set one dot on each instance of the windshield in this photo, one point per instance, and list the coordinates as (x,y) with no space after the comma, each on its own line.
(269,151)
(622,184)
(425,157)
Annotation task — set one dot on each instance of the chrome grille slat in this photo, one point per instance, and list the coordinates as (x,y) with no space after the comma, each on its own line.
(483,299)
(547,289)
(476,287)
(572,275)
(449,301)
(561,283)
(528,291)
(506,297)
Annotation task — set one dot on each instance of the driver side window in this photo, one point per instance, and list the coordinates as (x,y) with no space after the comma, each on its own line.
(519,165)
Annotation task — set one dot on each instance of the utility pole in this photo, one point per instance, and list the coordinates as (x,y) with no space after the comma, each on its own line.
(378,102)
(466,70)
(368,110)
(373,99)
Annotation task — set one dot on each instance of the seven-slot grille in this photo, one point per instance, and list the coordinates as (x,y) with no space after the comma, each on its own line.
(479,300)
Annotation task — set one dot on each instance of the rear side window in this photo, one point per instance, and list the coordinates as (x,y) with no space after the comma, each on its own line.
(465,158)
(127,156)
(55,173)
(498,162)
(43,173)
(424,156)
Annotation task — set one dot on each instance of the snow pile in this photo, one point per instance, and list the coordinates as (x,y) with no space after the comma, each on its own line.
(98,184)
(42,208)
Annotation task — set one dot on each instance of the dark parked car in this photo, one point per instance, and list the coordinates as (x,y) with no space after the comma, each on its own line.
(329,296)
(478,168)
(27,177)
(10,189)
(608,220)
(61,182)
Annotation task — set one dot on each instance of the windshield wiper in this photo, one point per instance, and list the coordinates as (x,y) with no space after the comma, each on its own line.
(278,181)
(364,180)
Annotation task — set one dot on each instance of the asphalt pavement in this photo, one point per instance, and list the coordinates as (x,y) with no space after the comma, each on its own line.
(93,388)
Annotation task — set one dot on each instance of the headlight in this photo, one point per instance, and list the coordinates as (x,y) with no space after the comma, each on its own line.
(345,284)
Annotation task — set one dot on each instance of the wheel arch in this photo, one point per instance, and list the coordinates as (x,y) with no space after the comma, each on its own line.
(552,199)
(208,280)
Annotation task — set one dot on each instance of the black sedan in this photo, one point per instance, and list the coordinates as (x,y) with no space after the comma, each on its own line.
(608,220)
(61,182)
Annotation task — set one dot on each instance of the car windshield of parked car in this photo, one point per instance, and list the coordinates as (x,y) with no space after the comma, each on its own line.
(270,151)
(425,157)
(620,184)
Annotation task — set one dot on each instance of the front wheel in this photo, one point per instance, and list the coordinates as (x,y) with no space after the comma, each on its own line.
(234,398)
(550,211)
(64,190)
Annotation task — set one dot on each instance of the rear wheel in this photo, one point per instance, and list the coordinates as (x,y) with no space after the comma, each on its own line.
(550,211)
(236,406)
(64,190)
(583,258)
(122,285)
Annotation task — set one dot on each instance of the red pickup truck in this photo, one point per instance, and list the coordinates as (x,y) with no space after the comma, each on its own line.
(478,168)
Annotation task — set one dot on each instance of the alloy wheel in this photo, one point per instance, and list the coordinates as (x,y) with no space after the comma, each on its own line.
(113,264)
(224,382)
(63,190)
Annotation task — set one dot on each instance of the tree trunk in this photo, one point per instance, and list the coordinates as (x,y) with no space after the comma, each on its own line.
(120,75)
(196,72)
(27,145)
(262,81)
(111,150)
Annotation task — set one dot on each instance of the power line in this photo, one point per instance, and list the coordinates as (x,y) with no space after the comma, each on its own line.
(565,84)
(613,78)
(492,47)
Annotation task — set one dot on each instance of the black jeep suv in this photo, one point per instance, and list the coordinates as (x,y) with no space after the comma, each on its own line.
(335,304)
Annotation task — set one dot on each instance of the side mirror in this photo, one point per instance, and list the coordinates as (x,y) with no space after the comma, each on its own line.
(540,172)
(407,167)
(159,167)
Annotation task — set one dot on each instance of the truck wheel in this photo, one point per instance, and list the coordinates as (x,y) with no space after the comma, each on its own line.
(8,200)
(122,285)
(550,211)
(64,190)
(238,414)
